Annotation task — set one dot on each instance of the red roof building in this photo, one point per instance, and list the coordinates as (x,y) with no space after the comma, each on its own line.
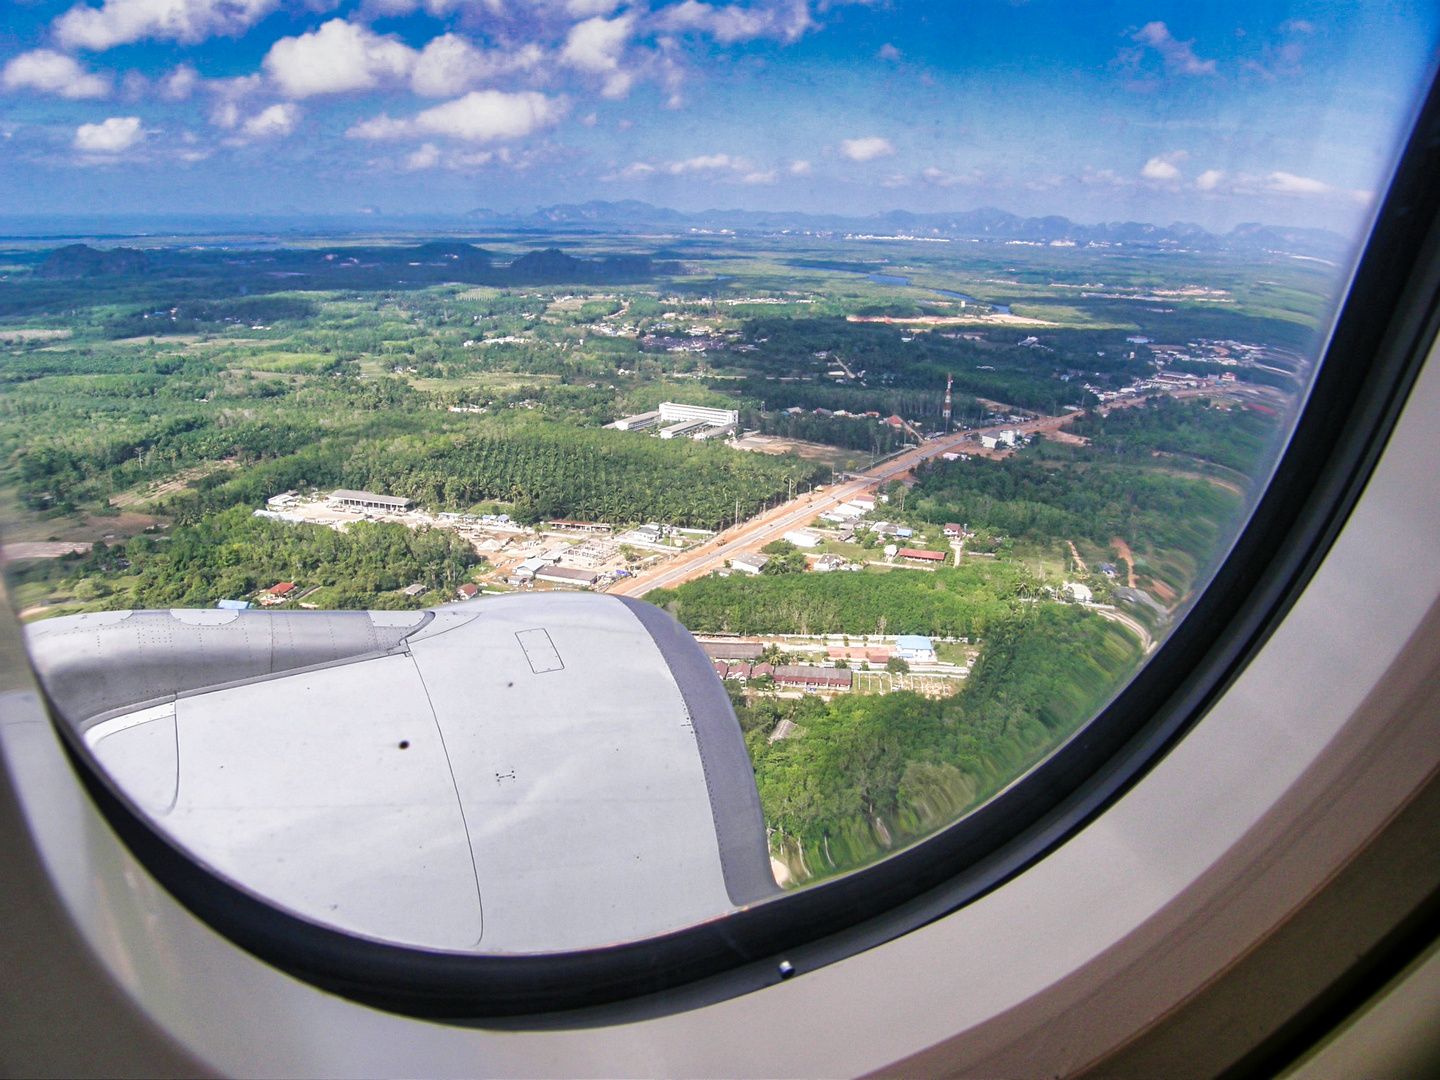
(814,678)
(874,654)
(468,591)
(282,589)
(922,556)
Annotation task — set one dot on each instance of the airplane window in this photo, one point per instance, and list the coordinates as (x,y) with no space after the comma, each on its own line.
(494,482)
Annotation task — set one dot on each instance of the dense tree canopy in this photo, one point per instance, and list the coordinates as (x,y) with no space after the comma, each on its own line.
(866,774)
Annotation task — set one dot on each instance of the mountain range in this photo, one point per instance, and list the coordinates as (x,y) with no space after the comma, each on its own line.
(986,223)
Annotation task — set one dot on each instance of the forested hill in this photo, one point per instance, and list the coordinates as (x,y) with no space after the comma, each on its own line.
(345,267)
(1236,439)
(867,774)
(1026,497)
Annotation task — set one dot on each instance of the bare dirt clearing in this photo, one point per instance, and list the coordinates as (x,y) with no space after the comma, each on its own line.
(28,334)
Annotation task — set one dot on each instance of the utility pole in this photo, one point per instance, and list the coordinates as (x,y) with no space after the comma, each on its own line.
(949,382)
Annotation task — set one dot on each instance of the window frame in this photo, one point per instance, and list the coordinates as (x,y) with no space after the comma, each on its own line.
(1382,335)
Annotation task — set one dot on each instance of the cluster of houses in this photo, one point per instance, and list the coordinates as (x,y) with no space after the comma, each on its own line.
(791,676)
(742,660)
(857,507)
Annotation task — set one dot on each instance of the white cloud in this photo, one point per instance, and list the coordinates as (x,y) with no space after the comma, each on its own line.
(1107,177)
(1210,179)
(1178,55)
(276,120)
(889,52)
(426,157)
(229,93)
(110,136)
(866,149)
(180,83)
(134,85)
(1159,169)
(450,65)
(430,156)
(582,9)
(51,72)
(239,87)
(118,22)
(480,157)
(338,57)
(732,22)
(479,116)
(595,45)
(706,163)
(788,20)
(1284,183)
(799,168)
(1163,167)
(941,178)
(225,114)
(383,126)
(727,166)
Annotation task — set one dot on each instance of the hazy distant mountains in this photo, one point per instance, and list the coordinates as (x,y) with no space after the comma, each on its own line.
(986,223)
(263,270)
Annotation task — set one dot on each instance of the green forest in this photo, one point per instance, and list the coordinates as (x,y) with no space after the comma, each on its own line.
(1238,439)
(866,774)
(955,602)
(1026,497)
(233,553)
(155,393)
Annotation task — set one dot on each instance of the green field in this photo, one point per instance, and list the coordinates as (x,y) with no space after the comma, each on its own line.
(154,410)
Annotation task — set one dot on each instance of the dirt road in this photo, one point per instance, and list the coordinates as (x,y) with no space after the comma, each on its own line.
(1147,642)
(1123,548)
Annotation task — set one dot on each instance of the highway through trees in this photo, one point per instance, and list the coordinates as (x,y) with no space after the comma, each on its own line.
(799,511)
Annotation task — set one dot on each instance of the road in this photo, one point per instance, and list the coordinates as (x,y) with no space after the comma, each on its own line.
(758,531)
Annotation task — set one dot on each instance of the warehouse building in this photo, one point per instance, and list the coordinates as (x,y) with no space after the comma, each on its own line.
(368,500)
(560,575)
(671,412)
(733,650)
(682,427)
(638,422)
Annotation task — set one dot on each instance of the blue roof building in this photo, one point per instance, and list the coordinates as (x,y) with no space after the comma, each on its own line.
(914,647)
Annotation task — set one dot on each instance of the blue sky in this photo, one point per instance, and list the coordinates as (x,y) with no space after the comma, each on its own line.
(1218,112)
